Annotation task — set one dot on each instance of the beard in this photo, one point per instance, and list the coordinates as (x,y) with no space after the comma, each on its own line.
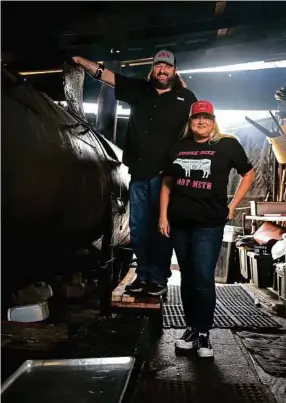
(156,83)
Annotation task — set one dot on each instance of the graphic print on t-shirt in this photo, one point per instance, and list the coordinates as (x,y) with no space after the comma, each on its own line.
(188,165)
(200,176)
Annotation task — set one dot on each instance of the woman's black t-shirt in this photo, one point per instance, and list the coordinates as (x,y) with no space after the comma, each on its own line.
(200,173)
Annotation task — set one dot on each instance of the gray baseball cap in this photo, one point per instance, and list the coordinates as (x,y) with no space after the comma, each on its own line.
(165,56)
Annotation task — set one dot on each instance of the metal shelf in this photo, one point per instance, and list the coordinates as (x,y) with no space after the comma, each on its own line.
(265,218)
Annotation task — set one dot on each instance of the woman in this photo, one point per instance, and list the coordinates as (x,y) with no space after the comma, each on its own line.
(194,210)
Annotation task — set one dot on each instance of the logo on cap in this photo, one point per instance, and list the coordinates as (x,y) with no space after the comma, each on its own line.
(202,107)
(164,54)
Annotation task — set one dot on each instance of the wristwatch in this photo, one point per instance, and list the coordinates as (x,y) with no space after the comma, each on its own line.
(99,71)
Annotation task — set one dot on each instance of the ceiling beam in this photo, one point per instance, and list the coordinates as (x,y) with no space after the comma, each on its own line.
(220,7)
(219,11)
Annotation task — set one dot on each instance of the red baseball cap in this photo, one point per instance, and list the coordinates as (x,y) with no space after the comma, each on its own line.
(202,107)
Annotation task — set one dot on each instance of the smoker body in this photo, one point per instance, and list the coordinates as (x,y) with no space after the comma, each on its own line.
(58,179)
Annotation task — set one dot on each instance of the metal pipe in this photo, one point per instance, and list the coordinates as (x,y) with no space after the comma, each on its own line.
(139,62)
(36,72)
(277,123)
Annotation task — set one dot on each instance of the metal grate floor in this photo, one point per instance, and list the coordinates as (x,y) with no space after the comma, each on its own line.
(166,391)
(235,309)
(115,336)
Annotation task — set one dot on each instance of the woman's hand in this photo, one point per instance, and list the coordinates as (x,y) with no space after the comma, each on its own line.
(231,212)
(164,226)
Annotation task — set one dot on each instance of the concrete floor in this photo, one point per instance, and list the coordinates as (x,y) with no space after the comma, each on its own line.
(229,378)
(232,376)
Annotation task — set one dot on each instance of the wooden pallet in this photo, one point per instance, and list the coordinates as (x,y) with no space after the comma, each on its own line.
(120,299)
(118,294)
(150,303)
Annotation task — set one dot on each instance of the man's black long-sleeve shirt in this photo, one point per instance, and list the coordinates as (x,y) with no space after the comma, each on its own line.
(155,124)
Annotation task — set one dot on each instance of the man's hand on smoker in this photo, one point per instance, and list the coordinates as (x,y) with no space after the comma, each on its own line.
(91,67)
(77,59)
(107,76)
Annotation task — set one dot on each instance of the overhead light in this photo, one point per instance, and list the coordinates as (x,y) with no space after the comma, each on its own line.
(239,67)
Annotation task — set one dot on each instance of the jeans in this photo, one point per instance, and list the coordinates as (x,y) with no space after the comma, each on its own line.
(197,252)
(153,250)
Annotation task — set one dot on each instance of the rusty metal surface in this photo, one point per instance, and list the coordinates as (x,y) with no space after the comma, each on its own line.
(57,181)
(83,337)
(113,336)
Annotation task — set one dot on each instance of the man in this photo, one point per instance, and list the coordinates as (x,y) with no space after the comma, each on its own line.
(159,112)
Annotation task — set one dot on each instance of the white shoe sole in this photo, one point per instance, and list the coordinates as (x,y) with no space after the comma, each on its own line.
(205,353)
(135,290)
(157,294)
(184,345)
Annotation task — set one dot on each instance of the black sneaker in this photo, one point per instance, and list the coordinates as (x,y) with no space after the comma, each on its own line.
(188,341)
(136,286)
(157,289)
(204,347)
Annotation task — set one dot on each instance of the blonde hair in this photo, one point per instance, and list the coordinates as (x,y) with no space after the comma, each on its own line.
(215,137)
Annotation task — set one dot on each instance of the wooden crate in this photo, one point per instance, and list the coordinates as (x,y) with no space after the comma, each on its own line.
(121,299)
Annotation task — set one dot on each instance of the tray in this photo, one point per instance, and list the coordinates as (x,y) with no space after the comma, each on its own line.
(100,380)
